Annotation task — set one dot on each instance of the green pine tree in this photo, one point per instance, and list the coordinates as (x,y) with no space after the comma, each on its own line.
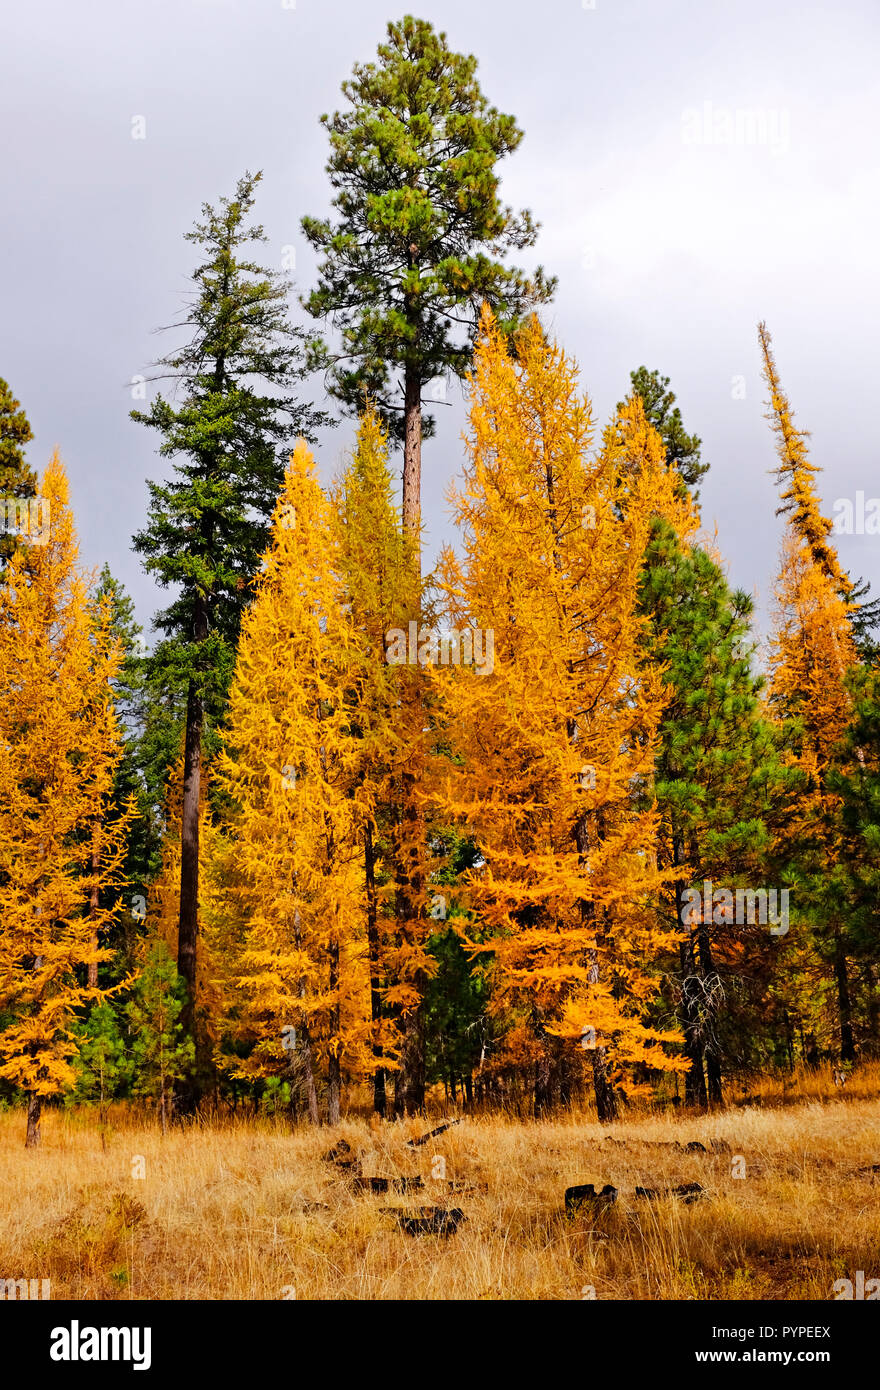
(416,248)
(682,449)
(102,1066)
(17,479)
(209,526)
(140,777)
(162,1051)
(718,780)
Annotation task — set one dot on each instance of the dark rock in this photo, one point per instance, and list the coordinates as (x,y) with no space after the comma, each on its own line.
(586,1195)
(428,1221)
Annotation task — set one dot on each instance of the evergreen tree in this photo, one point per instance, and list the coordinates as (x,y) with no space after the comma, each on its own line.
(17,480)
(161,1050)
(208,527)
(718,780)
(855,777)
(101,1063)
(682,449)
(417,247)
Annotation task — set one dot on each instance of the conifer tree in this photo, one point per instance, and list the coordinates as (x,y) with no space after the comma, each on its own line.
(162,1051)
(60,747)
(813,655)
(682,449)
(17,480)
(209,525)
(379,579)
(719,780)
(101,1064)
(558,740)
(421,233)
(300,971)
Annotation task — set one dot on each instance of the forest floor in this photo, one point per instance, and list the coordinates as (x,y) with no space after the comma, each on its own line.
(250,1209)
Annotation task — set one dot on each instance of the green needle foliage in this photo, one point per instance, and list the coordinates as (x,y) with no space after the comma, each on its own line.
(163,1054)
(209,525)
(417,245)
(16,478)
(682,449)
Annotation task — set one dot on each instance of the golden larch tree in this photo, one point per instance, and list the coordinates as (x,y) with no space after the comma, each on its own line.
(299,969)
(556,741)
(812,652)
(59,746)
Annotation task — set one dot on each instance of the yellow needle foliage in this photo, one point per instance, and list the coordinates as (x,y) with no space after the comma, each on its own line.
(812,647)
(811,651)
(59,746)
(556,745)
(299,981)
(380,571)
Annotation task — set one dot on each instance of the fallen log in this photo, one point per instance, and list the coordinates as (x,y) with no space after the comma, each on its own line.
(441,1129)
(428,1221)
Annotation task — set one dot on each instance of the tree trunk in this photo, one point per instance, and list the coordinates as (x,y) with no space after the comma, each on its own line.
(309,1077)
(92,978)
(542,1091)
(409,1091)
(409,1094)
(695,1080)
(710,1042)
(334,1078)
(34,1108)
(305,1037)
(606,1101)
(187,1090)
(412,452)
(380,1100)
(873,1010)
(844,1008)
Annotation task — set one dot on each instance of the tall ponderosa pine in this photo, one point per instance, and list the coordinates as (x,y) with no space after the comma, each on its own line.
(416,249)
(60,746)
(209,526)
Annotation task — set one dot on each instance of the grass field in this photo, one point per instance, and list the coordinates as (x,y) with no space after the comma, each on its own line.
(249,1209)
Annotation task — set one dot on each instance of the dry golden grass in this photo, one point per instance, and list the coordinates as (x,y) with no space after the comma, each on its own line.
(249,1209)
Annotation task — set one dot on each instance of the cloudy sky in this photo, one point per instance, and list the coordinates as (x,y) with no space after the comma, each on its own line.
(673,224)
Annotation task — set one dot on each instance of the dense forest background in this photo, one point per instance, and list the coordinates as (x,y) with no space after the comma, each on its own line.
(533,826)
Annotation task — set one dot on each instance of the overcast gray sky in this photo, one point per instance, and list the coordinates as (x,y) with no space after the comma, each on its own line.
(672,227)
